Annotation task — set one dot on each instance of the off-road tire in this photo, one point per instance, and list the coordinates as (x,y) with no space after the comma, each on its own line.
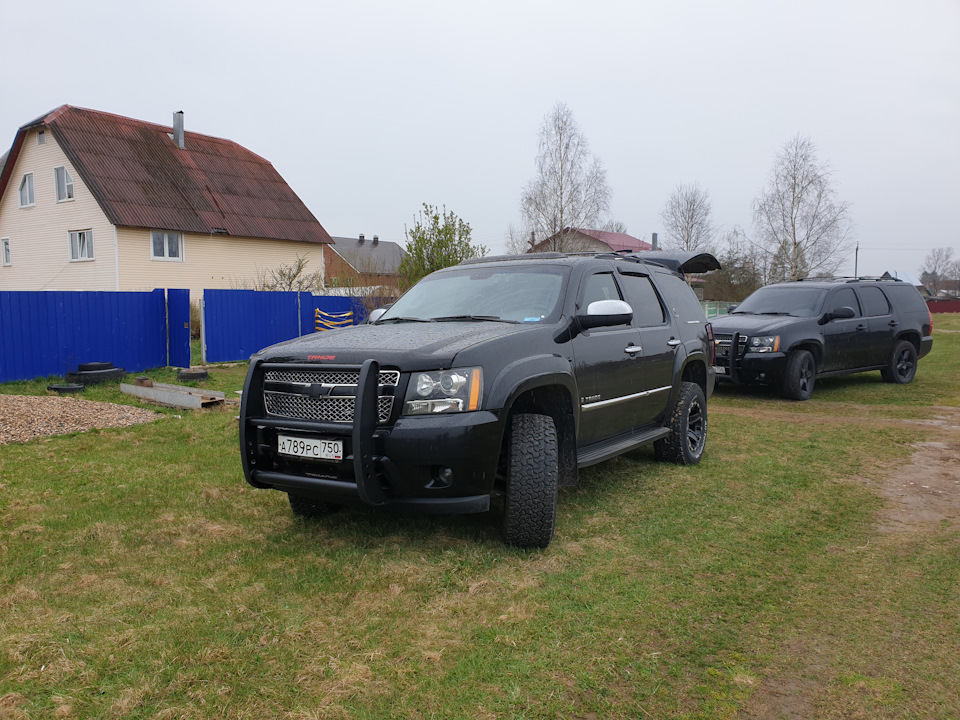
(687,423)
(307,507)
(799,375)
(902,365)
(530,502)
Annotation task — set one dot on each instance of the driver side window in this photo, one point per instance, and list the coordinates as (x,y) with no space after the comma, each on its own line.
(844,297)
(599,287)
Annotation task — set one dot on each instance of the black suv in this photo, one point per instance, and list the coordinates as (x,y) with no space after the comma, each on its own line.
(789,334)
(499,377)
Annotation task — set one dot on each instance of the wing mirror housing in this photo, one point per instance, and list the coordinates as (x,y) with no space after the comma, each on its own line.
(841,313)
(605,313)
(376,314)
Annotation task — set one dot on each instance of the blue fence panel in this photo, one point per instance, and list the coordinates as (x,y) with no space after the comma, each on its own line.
(238,323)
(178,328)
(50,333)
(331,311)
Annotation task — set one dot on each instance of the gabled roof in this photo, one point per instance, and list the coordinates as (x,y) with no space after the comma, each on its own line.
(375,256)
(616,240)
(142,179)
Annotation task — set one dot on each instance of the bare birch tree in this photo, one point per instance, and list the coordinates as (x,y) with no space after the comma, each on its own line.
(800,224)
(938,268)
(570,189)
(687,220)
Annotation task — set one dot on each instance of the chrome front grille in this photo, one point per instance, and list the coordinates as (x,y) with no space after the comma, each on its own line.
(327,394)
(329,408)
(350,378)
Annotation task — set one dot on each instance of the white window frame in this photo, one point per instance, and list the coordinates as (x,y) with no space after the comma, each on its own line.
(42,137)
(167,235)
(75,246)
(28,181)
(67,184)
(5,258)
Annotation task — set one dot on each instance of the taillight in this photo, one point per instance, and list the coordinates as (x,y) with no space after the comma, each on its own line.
(712,343)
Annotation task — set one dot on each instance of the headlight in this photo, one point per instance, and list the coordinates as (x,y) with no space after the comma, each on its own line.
(767,344)
(444,391)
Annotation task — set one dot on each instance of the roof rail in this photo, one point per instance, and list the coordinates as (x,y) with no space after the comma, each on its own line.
(850,279)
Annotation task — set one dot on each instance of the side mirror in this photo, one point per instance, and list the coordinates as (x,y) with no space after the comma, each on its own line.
(376,314)
(731,308)
(605,313)
(840,313)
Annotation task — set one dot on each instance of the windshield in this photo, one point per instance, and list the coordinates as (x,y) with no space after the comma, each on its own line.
(476,293)
(793,300)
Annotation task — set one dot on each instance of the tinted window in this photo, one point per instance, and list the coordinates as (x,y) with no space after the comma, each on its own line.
(796,300)
(647,309)
(874,302)
(680,297)
(599,287)
(905,297)
(844,297)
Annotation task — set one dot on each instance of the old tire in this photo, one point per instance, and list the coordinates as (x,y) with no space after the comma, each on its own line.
(307,507)
(799,376)
(94,366)
(530,502)
(188,375)
(687,423)
(902,365)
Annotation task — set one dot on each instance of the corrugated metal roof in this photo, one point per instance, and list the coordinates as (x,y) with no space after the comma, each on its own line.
(370,256)
(142,179)
(616,240)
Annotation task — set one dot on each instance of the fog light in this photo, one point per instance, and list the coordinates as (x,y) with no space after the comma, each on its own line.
(446,474)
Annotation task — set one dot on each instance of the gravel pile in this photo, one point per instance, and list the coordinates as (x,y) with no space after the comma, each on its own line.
(25,417)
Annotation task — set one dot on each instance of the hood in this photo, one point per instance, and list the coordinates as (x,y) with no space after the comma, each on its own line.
(407,346)
(752,324)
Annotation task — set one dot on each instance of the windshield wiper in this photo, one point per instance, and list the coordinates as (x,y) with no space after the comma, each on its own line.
(479,318)
(779,312)
(384,321)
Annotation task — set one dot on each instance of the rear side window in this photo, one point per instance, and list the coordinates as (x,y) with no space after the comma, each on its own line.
(874,302)
(647,310)
(905,297)
(844,297)
(679,297)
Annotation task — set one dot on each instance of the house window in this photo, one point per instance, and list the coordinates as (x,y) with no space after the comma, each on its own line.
(26,190)
(64,184)
(81,245)
(41,137)
(5,251)
(166,245)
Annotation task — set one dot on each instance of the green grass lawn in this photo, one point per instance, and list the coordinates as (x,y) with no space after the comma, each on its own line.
(141,577)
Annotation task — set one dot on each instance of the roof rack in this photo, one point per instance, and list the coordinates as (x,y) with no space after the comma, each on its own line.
(850,279)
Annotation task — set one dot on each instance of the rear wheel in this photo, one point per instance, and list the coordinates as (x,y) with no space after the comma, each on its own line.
(307,507)
(800,375)
(687,423)
(530,502)
(902,365)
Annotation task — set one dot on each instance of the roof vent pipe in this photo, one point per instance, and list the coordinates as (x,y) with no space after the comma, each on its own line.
(361,237)
(178,128)
(376,239)
(654,242)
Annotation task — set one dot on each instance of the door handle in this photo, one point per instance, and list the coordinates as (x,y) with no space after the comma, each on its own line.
(632,349)
(673,342)
(893,323)
(861,328)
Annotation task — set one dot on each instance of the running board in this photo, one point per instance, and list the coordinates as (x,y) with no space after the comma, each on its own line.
(598,452)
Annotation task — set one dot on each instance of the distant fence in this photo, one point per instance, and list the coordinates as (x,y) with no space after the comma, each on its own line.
(238,323)
(50,333)
(944,306)
(714,308)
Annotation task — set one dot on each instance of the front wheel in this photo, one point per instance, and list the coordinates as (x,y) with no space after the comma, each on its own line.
(687,423)
(800,375)
(902,365)
(530,503)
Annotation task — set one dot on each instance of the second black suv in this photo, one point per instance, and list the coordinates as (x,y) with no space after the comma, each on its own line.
(787,335)
(497,378)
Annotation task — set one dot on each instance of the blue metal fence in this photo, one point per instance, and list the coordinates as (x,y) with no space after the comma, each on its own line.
(50,333)
(238,323)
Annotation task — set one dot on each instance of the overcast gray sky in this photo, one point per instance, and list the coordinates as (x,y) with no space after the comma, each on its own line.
(369,109)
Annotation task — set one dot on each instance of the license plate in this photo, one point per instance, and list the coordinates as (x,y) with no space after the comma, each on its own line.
(719,370)
(309,448)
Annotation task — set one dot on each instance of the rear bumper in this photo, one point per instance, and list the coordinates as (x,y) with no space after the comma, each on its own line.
(926,345)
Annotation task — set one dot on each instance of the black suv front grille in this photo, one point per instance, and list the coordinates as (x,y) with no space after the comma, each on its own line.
(323,395)
(722,342)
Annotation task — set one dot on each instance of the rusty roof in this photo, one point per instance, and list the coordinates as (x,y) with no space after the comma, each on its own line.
(142,179)
(616,240)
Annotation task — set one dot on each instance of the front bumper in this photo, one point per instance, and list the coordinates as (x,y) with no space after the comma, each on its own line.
(751,368)
(443,463)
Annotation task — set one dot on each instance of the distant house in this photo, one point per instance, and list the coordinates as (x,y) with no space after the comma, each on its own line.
(362,262)
(584,240)
(94,201)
